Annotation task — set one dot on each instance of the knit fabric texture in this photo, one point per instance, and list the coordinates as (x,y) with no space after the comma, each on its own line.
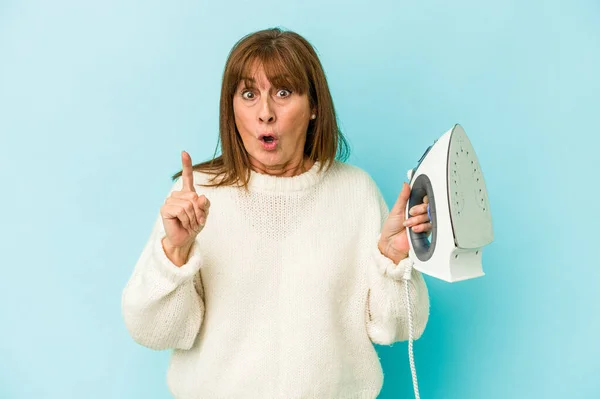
(283,295)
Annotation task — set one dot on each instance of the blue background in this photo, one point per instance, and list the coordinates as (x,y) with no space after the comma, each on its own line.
(97,100)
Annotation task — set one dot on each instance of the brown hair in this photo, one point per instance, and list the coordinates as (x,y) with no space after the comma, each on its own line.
(290,60)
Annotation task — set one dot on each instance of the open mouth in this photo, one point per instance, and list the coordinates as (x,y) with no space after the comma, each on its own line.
(268,139)
(269,142)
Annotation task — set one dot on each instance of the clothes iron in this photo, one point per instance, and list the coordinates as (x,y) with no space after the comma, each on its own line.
(459,209)
(449,174)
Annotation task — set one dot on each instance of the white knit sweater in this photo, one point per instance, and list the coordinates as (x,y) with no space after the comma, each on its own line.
(283,295)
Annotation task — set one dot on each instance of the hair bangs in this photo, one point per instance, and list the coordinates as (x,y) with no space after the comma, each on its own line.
(287,73)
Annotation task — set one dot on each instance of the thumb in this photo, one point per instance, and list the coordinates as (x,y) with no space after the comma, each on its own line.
(399,208)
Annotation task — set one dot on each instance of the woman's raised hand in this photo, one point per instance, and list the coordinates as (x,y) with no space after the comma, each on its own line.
(184,213)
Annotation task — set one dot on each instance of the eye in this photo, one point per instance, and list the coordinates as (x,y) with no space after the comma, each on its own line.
(283,93)
(247,94)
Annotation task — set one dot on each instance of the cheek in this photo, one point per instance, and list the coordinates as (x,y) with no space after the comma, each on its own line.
(241,120)
(295,119)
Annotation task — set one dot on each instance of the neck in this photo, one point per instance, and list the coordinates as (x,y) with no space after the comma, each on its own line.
(288,169)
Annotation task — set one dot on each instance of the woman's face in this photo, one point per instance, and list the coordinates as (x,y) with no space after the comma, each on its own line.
(272,122)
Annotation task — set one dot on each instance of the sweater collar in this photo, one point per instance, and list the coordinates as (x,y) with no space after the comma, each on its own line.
(264,182)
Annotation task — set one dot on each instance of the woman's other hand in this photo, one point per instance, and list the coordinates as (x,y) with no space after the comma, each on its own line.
(184,213)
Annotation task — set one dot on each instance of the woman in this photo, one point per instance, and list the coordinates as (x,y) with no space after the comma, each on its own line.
(278,286)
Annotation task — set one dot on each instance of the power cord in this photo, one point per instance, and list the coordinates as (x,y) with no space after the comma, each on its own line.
(407,273)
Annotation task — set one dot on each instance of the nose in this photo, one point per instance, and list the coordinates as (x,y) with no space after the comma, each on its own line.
(265,113)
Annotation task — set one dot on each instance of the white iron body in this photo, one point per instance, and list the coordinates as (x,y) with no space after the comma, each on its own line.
(450,175)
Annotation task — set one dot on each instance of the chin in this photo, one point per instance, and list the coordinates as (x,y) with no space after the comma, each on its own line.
(274,158)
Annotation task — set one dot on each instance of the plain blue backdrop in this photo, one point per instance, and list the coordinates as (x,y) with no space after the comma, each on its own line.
(97,100)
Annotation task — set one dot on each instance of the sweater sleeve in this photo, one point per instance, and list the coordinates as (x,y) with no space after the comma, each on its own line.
(386,310)
(162,304)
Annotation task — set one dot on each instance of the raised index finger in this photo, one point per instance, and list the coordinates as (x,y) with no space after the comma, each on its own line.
(187,174)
